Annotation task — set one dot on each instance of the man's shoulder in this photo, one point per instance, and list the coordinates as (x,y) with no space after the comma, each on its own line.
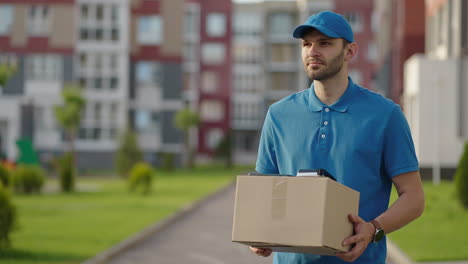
(295,99)
(375,100)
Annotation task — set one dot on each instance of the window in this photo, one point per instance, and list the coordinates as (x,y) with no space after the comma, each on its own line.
(281,24)
(216,25)
(149,74)
(145,120)
(191,21)
(38,20)
(213,53)
(281,53)
(150,30)
(43,67)
(356,75)
(371,51)
(213,137)
(209,82)
(355,20)
(99,22)
(6,14)
(283,81)
(212,110)
(248,24)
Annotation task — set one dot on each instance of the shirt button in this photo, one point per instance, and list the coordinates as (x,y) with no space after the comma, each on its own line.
(327,110)
(325,122)
(323,136)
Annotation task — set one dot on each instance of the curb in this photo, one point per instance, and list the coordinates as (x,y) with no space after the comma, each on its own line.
(133,240)
(395,255)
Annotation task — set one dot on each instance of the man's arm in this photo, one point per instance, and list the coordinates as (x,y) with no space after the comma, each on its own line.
(408,206)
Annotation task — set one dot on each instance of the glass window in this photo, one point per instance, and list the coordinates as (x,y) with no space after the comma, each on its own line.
(216,25)
(209,82)
(38,20)
(150,30)
(84,11)
(213,53)
(191,23)
(6,14)
(213,137)
(281,24)
(43,67)
(144,120)
(248,23)
(212,110)
(148,73)
(355,20)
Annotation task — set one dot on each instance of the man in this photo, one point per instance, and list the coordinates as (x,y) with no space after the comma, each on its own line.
(358,136)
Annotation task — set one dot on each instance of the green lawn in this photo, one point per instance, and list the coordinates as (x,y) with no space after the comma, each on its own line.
(58,228)
(441,233)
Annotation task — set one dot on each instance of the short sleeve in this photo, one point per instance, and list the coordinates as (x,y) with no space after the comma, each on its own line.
(266,160)
(399,155)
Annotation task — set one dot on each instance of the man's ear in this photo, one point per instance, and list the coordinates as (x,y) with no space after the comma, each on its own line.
(351,51)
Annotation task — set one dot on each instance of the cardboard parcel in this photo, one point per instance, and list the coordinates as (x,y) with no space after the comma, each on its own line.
(293,214)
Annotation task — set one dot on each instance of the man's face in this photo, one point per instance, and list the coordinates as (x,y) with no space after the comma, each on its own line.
(322,56)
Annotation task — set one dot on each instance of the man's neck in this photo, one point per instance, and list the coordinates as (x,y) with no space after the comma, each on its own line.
(329,91)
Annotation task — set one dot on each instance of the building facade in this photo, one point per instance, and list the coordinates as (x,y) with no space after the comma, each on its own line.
(436,89)
(400,34)
(137,61)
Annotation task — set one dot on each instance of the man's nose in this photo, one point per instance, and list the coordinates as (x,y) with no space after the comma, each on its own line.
(313,51)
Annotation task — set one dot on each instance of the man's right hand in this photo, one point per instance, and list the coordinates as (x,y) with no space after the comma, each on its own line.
(264,252)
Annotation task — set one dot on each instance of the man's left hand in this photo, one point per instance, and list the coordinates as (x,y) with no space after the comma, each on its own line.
(364,233)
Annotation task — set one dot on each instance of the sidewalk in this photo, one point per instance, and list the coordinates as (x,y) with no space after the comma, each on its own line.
(201,234)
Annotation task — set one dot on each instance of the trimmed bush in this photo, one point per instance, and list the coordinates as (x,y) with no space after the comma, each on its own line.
(461,178)
(4,176)
(28,179)
(167,163)
(128,153)
(66,172)
(7,217)
(141,178)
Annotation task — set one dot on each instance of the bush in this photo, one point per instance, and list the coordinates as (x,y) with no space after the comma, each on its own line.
(7,217)
(167,163)
(128,154)
(461,178)
(66,172)
(4,176)
(28,179)
(141,178)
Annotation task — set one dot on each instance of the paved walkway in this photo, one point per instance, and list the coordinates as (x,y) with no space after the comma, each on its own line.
(203,236)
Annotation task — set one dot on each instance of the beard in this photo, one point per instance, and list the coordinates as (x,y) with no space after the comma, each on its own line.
(330,69)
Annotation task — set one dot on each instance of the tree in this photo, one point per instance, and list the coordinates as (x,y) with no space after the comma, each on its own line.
(461,178)
(68,116)
(128,153)
(6,72)
(184,120)
(224,150)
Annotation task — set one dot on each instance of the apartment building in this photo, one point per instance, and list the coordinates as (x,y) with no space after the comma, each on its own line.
(435,92)
(267,60)
(137,61)
(400,34)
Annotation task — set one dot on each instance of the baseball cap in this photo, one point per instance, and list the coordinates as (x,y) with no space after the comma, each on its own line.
(328,23)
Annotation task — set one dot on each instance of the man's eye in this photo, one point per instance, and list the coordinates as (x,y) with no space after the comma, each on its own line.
(324,43)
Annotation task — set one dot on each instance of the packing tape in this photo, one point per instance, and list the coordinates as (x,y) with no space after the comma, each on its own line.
(278,198)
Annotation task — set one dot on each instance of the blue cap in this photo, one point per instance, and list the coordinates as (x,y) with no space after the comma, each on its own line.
(328,23)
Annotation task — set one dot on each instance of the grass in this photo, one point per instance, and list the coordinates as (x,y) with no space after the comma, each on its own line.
(441,233)
(70,228)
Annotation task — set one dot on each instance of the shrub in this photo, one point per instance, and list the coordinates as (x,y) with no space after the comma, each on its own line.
(167,163)
(461,178)
(7,217)
(66,172)
(4,176)
(28,179)
(128,154)
(141,178)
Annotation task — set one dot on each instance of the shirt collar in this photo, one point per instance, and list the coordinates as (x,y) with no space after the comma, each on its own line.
(340,106)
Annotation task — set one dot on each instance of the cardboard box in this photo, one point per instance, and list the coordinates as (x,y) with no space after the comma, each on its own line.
(293,214)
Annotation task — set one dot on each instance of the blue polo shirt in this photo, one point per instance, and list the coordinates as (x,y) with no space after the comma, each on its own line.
(363,140)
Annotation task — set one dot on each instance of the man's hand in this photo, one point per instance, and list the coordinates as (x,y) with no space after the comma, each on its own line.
(264,252)
(364,233)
